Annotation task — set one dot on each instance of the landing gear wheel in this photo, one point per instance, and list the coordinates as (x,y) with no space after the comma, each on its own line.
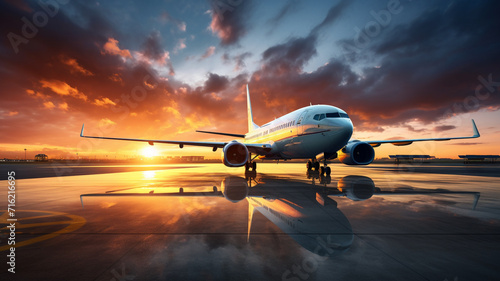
(309,165)
(247,166)
(322,170)
(254,166)
(316,166)
(328,171)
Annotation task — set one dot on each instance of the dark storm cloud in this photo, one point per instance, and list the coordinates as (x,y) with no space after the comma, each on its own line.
(152,47)
(289,57)
(427,68)
(430,66)
(215,83)
(229,19)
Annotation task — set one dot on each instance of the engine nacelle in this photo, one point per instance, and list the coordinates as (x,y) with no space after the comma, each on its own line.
(235,154)
(357,188)
(357,153)
(234,188)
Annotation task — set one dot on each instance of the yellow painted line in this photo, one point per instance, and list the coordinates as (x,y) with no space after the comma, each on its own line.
(74,223)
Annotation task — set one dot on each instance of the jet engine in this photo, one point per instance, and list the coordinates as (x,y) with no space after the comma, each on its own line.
(357,153)
(234,188)
(235,154)
(357,188)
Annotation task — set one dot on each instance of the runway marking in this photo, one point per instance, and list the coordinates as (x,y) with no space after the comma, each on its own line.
(74,223)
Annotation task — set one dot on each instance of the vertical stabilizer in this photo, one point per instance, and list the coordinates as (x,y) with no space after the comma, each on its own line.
(251,124)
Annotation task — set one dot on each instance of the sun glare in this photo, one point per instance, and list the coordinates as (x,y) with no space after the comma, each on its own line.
(149,152)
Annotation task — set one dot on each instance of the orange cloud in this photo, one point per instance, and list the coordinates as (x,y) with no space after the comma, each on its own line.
(106,122)
(103,102)
(75,67)
(111,47)
(49,105)
(12,113)
(63,106)
(36,94)
(63,89)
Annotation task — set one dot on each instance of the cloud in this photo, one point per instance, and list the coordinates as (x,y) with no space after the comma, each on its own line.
(49,105)
(289,57)
(443,128)
(229,20)
(75,67)
(181,44)
(63,106)
(103,102)
(333,15)
(63,89)
(215,83)
(238,60)
(208,53)
(106,122)
(111,47)
(467,143)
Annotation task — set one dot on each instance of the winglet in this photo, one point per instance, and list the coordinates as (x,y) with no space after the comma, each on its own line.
(81,133)
(476,131)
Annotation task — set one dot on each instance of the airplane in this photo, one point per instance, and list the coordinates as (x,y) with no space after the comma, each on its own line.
(315,132)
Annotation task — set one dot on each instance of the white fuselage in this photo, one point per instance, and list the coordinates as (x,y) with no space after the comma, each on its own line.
(305,132)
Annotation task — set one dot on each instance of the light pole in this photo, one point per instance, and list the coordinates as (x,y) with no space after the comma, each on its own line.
(25,159)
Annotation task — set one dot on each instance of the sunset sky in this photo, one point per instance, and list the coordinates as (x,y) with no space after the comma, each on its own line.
(162,69)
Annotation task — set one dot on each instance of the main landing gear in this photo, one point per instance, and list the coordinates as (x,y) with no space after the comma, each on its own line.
(251,165)
(314,164)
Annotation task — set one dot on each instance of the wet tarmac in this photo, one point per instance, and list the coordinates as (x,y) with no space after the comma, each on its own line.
(209,222)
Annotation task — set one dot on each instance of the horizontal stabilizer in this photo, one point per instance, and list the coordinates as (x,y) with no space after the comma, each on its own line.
(224,134)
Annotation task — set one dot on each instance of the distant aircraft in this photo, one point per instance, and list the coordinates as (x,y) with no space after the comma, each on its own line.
(315,132)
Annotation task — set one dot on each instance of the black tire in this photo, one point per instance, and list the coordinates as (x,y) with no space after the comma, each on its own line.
(322,170)
(247,166)
(328,171)
(309,165)
(316,166)
(254,166)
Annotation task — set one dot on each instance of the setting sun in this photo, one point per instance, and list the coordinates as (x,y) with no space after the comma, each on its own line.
(149,151)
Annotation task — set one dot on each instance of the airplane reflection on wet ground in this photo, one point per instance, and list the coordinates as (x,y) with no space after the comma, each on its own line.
(210,222)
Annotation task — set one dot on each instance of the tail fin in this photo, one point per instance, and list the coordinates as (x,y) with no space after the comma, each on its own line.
(251,124)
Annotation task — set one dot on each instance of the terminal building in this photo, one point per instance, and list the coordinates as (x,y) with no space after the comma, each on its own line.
(468,159)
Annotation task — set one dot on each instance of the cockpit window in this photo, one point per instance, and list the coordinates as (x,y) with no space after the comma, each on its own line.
(330,115)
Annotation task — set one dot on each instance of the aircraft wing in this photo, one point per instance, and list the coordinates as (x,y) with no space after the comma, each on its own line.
(254,148)
(376,143)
